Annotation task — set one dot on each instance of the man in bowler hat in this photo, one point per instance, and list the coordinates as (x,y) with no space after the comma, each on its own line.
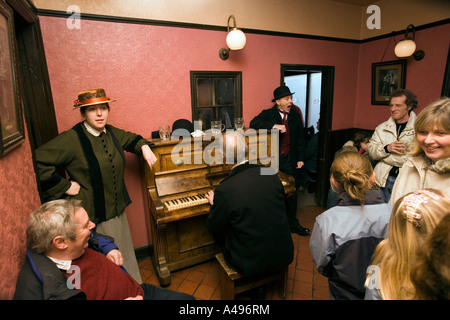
(291,144)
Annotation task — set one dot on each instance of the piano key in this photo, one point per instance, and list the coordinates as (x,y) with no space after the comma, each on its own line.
(185,202)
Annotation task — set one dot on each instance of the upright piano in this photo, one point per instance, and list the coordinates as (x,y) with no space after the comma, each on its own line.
(176,189)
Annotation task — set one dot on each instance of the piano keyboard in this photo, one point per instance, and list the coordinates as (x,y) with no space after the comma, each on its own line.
(185,202)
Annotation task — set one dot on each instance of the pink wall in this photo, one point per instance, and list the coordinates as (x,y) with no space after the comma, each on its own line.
(424,77)
(146,68)
(18,198)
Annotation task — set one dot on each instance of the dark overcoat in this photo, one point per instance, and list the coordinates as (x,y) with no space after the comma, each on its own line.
(248,221)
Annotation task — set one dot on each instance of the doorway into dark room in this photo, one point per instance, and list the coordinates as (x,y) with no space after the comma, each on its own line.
(313,88)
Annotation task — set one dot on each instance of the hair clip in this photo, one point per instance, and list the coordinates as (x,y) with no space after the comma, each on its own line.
(412,217)
(413,201)
(431,194)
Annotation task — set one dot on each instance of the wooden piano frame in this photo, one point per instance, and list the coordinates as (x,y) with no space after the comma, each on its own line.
(180,237)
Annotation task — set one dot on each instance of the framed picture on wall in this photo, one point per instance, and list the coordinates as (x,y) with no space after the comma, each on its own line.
(446,84)
(12,131)
(387,77)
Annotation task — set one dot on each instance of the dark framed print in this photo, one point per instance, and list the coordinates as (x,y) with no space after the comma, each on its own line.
(387,77)
(12,131)
(446,83)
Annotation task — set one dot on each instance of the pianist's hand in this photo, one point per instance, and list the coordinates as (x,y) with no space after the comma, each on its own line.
(115,256)
(148,155)
(73,189)
(210,197)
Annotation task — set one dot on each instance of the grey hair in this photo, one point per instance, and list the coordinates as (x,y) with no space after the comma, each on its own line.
(52,219)
(235,146)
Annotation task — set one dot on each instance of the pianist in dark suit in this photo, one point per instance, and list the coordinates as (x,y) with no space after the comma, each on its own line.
(291,145)
(248,217)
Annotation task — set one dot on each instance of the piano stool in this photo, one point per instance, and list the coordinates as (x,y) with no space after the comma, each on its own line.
(233,283)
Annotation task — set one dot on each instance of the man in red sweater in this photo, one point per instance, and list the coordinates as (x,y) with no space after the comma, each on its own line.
(64,260)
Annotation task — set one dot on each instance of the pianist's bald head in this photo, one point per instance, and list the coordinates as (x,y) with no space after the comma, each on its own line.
(234,147)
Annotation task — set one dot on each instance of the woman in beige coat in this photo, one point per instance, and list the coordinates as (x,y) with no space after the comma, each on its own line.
(429,166)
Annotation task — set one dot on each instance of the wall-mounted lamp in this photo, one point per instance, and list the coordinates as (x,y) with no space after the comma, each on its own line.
(235,39)
(406,47)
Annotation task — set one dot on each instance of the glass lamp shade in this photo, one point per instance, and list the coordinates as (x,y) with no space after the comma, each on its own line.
(405,48)
(236,39)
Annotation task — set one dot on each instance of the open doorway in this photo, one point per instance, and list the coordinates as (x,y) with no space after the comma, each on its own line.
(313,87)
(307,86)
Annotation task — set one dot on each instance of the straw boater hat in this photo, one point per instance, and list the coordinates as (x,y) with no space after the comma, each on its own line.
(91,97)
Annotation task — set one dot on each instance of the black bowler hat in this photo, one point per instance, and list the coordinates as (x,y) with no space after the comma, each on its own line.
(182,128)
(281,92)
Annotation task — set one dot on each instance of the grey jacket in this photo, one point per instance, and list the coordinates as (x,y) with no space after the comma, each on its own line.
(344,239)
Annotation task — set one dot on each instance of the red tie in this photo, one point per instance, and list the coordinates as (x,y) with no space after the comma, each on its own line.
(285,138)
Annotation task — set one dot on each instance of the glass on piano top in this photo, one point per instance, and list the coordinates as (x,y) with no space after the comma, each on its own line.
(239,123)
(164,132)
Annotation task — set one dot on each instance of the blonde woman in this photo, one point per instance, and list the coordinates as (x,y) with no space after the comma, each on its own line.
(413,218)
(344,237)
(429,166)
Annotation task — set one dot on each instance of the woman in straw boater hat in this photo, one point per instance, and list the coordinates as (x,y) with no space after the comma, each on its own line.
(92,154)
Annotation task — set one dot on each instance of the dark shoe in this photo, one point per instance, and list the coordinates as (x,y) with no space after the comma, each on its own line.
(303,228)
(300,231)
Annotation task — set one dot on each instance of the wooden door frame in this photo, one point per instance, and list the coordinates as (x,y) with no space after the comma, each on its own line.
(326,117)
(34,80)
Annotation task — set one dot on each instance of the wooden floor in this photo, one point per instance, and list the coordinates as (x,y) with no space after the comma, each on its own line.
(304,282)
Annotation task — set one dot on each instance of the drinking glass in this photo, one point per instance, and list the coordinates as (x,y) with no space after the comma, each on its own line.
(239,123)
(217,127)
(164,132)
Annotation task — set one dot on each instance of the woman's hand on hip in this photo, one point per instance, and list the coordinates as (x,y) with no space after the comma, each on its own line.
(74,188)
